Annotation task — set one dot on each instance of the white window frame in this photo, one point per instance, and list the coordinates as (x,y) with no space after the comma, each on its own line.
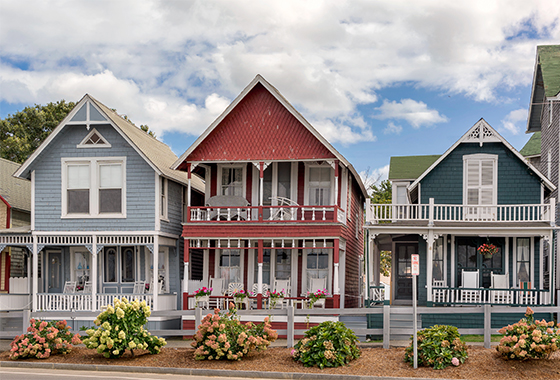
(479,158)
(309,247)
(395,192)
(233,166)
(103,144)
(306,187)
(218,255)
(531,261)
(163,198)
(94,164)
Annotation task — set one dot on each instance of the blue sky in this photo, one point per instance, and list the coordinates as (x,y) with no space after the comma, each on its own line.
(376,78)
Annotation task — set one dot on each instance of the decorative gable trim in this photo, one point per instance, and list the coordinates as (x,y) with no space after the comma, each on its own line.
(477,133)
(94,139)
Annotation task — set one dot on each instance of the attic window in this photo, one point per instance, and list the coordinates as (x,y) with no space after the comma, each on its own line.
(94,140)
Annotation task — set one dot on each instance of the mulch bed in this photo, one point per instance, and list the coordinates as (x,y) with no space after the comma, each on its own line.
(482,363)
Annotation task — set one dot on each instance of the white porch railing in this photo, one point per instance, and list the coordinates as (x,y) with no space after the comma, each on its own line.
(274,214)
(491,296)
(376,213)
(83,302)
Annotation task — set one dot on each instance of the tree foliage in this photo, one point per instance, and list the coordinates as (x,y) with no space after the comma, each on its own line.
(22,132)
(382,194)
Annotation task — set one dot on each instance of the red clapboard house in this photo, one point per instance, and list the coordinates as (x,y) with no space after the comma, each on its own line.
(282,208)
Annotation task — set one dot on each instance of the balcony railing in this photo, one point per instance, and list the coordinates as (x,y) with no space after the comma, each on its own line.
(266,214)
(480,296)
(84,301)
(382,213)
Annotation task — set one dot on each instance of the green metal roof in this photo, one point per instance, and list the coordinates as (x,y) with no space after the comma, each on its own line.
(549,60)
(533,146)
(410,167)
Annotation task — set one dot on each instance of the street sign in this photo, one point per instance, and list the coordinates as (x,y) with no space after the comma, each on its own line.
(415,260)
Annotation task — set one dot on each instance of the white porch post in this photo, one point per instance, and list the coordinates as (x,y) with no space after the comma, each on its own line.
(94,272)
(155,274)
(35,273)
(336,182)
(429,260)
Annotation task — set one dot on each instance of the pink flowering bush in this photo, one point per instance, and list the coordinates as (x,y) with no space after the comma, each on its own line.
(529,339)
(223,336)
(43,339)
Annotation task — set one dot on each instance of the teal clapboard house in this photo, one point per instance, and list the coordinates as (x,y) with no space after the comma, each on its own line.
(477,217)
(106,214)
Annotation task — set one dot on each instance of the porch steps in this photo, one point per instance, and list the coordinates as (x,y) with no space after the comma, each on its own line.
(401,326)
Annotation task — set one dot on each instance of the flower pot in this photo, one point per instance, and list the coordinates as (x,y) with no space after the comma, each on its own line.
(202,299)
(488,256)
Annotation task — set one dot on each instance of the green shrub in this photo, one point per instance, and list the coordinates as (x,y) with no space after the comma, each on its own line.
(438,347)
(330,344)
(529,339)
(223,336)
(121,328)
(43,339)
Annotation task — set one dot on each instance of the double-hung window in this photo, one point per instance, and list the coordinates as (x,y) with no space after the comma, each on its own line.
(480,180)
(232,181)
(319,185)
(94,187)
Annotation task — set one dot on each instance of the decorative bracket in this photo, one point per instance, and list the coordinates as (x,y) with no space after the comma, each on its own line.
(426,237)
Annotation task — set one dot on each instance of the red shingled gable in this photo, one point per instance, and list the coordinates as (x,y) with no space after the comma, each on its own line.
(259,128)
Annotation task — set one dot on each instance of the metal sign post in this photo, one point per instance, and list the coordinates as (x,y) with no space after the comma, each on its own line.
(415,261)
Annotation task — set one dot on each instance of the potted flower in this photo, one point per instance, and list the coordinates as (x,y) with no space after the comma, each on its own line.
(239,297)
(488,250)
(202,295)
(274,297)
(317,297)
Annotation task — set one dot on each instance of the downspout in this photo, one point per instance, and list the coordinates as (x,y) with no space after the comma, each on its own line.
(8,212)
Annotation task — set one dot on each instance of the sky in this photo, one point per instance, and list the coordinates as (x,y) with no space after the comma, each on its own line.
(376,78)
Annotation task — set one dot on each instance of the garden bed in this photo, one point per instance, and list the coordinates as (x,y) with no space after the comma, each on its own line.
(481,364)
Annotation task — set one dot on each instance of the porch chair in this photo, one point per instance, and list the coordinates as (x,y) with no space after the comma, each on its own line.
(501,282)
(527,297)
(139,287)
(287,212)
(194,285)
(217,285)
(440,295)
(254,290)
(283,286)
(234,287)
(69,287)
(470,282)
(318,284)
(67,301)
(88,288)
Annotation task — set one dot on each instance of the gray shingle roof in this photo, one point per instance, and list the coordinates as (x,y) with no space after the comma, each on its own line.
(16,191)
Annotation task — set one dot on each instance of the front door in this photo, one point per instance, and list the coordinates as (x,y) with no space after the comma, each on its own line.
(54,265)
(403,289)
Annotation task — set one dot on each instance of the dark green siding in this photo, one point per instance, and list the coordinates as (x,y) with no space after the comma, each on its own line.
(476,320)
(517,184)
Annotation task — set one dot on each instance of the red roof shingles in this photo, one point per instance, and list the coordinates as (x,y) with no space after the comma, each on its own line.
(260,128)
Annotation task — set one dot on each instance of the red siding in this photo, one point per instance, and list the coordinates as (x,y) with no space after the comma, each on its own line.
(259,128)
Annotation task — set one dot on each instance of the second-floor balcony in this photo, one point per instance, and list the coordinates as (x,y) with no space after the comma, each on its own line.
(432,213)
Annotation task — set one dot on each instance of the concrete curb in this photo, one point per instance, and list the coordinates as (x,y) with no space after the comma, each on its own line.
(198,372)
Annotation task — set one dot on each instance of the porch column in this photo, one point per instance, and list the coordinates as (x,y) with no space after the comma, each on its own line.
(188,218)
(186,252)
(429,259)
(336,290)
(155,274)
(336,173)
(368,272)
(94,272)
(261,190)
(260,267)
(35,288)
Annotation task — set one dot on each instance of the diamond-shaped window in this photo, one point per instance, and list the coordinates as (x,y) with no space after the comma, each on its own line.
(94,140)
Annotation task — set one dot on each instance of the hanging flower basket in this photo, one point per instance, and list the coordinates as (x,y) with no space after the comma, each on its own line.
(488,250)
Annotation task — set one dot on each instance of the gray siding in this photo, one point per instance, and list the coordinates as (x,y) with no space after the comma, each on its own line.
(174,209)
(140,184)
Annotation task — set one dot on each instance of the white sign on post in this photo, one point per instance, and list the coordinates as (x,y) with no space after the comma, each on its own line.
(415,259)
(415,263)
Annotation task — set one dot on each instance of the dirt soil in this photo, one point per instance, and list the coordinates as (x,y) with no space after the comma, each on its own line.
(481,364)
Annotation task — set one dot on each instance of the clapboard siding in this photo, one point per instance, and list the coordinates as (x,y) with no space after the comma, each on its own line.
(140,183)
(174,209)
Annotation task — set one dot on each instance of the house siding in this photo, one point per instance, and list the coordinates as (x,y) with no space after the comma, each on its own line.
(516,184)
(174,209)
(140,186)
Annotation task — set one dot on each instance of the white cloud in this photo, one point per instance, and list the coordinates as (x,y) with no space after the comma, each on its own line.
(415,113)
(326,58)
(515,121)
(392,128)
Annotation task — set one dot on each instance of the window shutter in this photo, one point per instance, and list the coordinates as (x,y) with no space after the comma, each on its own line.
(480,186)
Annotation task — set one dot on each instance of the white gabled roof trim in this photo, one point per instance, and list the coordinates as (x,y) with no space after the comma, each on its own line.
(483,128)
(289,107)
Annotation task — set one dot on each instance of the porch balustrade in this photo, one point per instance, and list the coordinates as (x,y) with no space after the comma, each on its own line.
(384,213)
(84,302)
(491,296)
(266,214)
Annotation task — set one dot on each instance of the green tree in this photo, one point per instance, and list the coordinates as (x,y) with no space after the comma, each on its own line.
(23,132)
(382,195)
